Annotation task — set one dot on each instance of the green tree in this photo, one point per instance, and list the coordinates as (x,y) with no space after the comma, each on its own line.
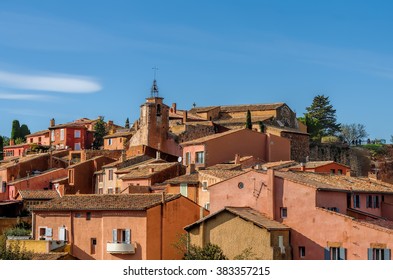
(261,126)
(313,127)
(6,141)
(15,131)
(99,133)
(23,131)
(14,251)
(248,120)
(19,140)
(209,252)
(322,114)
(127,123)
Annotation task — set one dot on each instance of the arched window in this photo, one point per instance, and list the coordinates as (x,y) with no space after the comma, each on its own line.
(158,110)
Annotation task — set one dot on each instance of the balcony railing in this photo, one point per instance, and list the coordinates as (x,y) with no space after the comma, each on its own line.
(120,248)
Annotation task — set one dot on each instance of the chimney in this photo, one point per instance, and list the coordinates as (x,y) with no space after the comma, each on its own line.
(174,107)
(110,123)
(184,116)
(123,155)
(52,122)
(237,159)
(302,167)
(12,142)
(190,168)
(163,198)
(348,174)
(158,155)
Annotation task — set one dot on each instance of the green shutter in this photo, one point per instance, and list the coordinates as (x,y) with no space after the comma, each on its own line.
(370,253)
(327,253)
(342,254)
(386,254)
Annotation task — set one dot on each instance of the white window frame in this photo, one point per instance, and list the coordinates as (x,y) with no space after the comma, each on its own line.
(62,134)
(110,142)
(200,160)
(52,136)
(77,134)
(207,206)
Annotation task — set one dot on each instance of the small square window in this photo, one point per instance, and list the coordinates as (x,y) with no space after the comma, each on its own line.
(88,216)
(284,212)
(204,186)
(332,171)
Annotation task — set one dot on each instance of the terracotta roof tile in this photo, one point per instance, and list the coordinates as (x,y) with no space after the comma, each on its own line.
(39,194)
(278,164)
(210,137)
(146,171)
(251,107)
(222,174)
(42,132)
(316,164)
(225,166)
(247,214)
(120,134)
(104,202)
(189,179)
(336,182)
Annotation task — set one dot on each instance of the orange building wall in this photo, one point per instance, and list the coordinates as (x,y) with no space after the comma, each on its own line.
(117,143)
(278,148)
(45,140)
(192,191)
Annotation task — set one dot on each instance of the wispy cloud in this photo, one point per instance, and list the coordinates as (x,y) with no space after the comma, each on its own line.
(52,82)
(26,97)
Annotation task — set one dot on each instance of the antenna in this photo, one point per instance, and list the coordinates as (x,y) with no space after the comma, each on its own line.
(154,87)
(155,68)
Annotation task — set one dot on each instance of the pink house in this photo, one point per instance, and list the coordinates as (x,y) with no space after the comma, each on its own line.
(223,147)
(116,227)
(40,138)
(323,167)
(330,216)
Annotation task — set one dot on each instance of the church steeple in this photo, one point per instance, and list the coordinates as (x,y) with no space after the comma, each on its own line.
(154,89)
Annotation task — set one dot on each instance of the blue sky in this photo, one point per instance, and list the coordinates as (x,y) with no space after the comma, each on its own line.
(72,59)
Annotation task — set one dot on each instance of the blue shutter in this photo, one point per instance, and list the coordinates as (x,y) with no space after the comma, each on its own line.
(342,254)
(114,235)
(128,236)
(386,254)
(327,253)
(370,253)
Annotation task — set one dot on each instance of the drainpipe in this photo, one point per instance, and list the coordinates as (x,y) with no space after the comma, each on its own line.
(162,226)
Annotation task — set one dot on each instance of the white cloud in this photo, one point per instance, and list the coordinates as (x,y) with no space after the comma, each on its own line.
(26,97)
(54,83)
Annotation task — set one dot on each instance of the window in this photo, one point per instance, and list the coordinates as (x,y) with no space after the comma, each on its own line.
(110,175)
(335,253)
(77,146)
(281,244)
(200,157)
(78,215)
(332,171)
(100,191)
(207,206)
(110,141)
(93,244)
(31,140)
(188,158)
(302,252)
(183,189)
(77,134)
(340,171)
(62,234)
(240,185)
(88,216)
(378,254)
(117,190)
(110,191)
(121,236)
(52,137)
(369,202)
(100,178)
(204,186)
(62,134)
(45,233)
(39,140)
(284,212)
(71,176)
(356,201)
(376,201)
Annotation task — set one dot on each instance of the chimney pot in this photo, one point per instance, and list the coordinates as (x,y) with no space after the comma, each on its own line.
(174,107)
(184,116)
(52,122)
(237,159)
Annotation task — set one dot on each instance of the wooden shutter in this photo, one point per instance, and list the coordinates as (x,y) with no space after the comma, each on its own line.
(327,253)
(368,201)
(128,236)
(370,253)
(386,254)
(342,254)
(114,235)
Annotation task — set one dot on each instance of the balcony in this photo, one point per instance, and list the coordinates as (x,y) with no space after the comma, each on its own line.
(120,248)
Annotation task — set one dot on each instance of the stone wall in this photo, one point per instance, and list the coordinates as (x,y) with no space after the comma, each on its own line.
(300,148)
